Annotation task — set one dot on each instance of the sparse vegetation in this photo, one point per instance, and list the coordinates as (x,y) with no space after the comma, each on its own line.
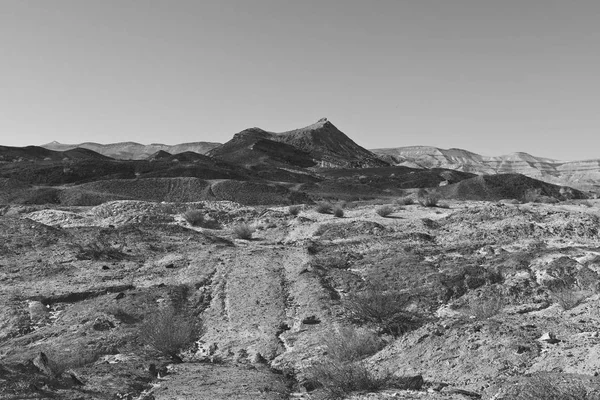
(405,201)
(60,361)
(384,211)
(348,343)
(428,199)
(243,231)
(168,331)
(324,207)
(194,217)
(99,250)
(386,309)
(338,211)
(567,297)
(338,380)
(487,307)
(531,195)
(294,210)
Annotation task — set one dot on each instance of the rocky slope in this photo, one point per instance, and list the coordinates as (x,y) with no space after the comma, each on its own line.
(320,144)
(503,291)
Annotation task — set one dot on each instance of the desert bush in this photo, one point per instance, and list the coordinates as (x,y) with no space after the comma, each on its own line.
(340,379)
(427,199)
(338,211)
(567,297)
(194,217)
(324,207)
(484,308)
(168,331)
(294,210)
(99,250)
(384,211)
(350,344)
(531,195)
(544,386)
(388,310)
(405,201)
(243,231)
(60,361)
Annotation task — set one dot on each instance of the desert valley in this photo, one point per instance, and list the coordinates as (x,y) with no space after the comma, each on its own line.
(296,265)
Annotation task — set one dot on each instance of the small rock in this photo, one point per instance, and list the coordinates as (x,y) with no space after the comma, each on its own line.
(102,324)
(549,337)
(41,363)
(119,296)
(105,267)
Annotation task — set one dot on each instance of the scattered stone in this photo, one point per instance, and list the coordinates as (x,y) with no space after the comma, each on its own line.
(42,364)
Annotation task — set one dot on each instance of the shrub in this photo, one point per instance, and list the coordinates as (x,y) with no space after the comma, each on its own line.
(405,201)
(567,297)
(386,309)
(194,217)
(338,212)
(169,332)
(243,231)
(294,210)
(384,211)
(99,251)
(340,379)
(487,307)
(61,361)
(350,344)
(531,195)
(324,207)
(428,199)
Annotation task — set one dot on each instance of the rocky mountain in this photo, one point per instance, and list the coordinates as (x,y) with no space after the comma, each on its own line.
(318,145)
(582,174)
(133,150)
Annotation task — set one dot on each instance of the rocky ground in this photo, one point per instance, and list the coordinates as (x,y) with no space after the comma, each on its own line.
(499,295)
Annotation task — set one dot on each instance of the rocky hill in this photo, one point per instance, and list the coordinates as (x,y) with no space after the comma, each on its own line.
(581,174)
(320,145)
(133,150)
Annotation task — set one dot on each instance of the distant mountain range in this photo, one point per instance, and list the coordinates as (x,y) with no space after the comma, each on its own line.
(299,155)
(583,174)
(132,150)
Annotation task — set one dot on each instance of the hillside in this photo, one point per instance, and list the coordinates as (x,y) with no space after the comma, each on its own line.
(583,174)
(37,153)
(133,150)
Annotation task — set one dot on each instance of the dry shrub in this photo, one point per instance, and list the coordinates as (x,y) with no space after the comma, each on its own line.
(168,331)
(324,207)
(388,310)
(484,308)
(531,195)
(243,231)
(350,344)
(60,361)
(294,210)
(194,217)
(428,199)
(384,211)
(98,251)
(338,211)
(338,380)
(567,297)
(405,201)
(544,386)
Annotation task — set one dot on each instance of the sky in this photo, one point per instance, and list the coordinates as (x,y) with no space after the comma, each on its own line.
(492,77)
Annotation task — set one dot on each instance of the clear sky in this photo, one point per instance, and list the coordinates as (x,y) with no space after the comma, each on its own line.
(493,77)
